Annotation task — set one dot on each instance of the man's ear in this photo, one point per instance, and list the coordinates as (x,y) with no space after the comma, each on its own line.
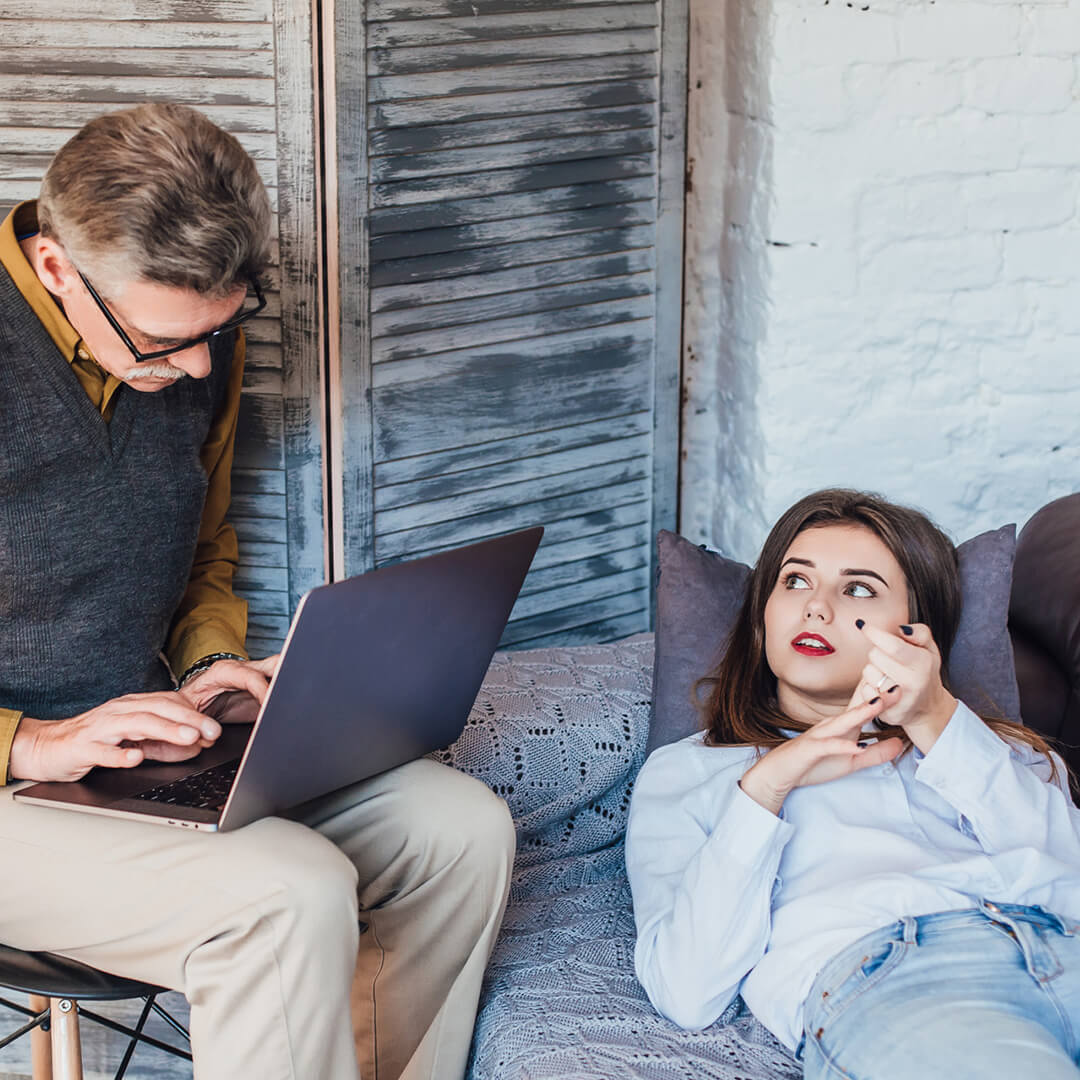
(53,267)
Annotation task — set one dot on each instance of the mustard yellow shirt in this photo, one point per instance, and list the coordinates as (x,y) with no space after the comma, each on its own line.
(210,618)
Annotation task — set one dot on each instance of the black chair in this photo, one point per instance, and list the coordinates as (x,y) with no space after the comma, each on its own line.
(56,986)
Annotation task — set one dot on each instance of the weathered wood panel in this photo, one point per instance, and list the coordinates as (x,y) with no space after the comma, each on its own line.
(507,165)
(248,65)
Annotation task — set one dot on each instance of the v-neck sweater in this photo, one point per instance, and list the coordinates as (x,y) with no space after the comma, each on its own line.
(98,521)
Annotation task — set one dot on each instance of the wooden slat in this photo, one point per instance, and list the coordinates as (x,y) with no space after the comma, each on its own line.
(47,140)
(110,33)
(114,89)
(451,212)
(378,10)
(529,152)
(554,554)
(567,618)
(591,509)
(140,63)
(539,125)
(259,433)
(149,10)
(71,115)
(260,505)
(254,481)
(490,80)
(462,108)
(574,347)
(495,284)
(591,633)
(533,467)
(518,328)
(474,55)
(580,593)
(510,495)
(501,181)
(265,555)
(502,451)
(259,646)
(258,530)
(487,309)
(262,601)
(567,574)
(513,24)
(486,234)
(500,257)
(255,578)
(274,627)
(586,527)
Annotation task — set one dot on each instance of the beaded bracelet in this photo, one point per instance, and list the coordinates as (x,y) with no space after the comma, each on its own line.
(205,662)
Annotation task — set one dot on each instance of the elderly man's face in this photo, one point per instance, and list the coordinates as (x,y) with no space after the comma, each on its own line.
(153,316)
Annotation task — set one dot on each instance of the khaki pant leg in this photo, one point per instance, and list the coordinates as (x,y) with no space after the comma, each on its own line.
(258,928)
(434,849)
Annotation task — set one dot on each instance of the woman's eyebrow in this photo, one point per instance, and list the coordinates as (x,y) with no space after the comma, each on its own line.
(801,562)
(864,573)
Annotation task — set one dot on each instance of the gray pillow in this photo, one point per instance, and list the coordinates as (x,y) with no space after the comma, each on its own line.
(699,593)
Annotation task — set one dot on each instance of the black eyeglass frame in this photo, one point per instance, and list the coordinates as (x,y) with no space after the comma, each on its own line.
(172,350)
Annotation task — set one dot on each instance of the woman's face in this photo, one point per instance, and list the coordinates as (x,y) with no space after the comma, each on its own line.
(830,576)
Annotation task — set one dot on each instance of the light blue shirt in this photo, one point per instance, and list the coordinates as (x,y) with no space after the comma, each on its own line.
(729,898)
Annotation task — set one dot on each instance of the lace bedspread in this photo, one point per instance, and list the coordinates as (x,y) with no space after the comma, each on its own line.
(560,734)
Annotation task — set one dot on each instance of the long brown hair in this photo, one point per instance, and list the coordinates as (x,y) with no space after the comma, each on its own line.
(741,708)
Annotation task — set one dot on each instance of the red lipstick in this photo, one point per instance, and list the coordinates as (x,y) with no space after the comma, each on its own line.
(811,645)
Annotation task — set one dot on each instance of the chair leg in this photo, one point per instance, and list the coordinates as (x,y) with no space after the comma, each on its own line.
(66,1047)
(40,1043)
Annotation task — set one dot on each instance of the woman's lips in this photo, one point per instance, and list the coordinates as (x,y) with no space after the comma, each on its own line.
(820,647)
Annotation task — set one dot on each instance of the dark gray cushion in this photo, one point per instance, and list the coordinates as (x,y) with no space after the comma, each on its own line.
(699,593)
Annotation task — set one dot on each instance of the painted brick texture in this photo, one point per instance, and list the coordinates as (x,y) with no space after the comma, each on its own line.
(883,281)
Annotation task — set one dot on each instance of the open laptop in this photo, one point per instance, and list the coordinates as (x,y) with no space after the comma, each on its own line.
(377,670)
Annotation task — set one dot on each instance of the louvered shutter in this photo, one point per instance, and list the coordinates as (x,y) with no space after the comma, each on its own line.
(510,227)
(248,67)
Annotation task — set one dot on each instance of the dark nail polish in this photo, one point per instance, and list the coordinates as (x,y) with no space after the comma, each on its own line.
(907,630)
(859,624)
(892,688)
(873,701)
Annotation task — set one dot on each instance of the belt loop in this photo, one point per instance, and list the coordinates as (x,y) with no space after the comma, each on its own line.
(910,925)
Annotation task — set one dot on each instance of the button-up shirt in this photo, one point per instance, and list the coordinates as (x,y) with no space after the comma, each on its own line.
(730,898)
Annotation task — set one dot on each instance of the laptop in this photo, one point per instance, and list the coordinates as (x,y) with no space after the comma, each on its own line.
(377,670)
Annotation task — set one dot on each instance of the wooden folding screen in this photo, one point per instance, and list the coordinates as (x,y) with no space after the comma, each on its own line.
(506,215)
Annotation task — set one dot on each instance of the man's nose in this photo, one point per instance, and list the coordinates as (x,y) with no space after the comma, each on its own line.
(194,361)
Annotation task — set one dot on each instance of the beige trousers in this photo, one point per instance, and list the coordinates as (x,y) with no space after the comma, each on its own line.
(384,903)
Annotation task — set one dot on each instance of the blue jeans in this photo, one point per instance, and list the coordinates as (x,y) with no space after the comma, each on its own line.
(989,992)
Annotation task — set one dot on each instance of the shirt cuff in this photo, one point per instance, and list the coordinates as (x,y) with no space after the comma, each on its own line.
(9,723)
(750,832)
(965,754)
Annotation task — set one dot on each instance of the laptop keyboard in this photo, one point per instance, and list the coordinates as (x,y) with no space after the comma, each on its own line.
(206,790)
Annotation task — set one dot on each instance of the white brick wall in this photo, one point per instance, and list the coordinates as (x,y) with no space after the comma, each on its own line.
(883,279)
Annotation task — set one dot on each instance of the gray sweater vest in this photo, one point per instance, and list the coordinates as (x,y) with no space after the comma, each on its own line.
(98,522)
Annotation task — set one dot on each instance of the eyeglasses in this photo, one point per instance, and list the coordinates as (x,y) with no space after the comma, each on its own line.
(241,316)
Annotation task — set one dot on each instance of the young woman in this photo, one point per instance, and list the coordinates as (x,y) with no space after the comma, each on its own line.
(890,882)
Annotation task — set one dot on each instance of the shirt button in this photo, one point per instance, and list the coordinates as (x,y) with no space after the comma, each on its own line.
(82,353)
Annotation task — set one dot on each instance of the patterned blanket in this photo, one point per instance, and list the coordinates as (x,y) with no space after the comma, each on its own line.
(560,734)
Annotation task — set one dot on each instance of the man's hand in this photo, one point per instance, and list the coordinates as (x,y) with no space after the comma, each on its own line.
(159,726)
(231,690)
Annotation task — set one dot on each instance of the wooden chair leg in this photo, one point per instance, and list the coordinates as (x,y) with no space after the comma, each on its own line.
(40,1043)
(66,1047)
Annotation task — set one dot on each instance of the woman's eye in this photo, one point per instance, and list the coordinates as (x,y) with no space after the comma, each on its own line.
(796,581)
(858,589)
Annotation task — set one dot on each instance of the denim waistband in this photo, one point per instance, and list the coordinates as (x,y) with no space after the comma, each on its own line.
(920,927)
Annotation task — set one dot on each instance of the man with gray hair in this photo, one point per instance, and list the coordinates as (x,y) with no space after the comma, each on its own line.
(359,935)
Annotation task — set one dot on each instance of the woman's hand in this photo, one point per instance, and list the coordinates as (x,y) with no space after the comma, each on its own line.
(828,750)
(907,668)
